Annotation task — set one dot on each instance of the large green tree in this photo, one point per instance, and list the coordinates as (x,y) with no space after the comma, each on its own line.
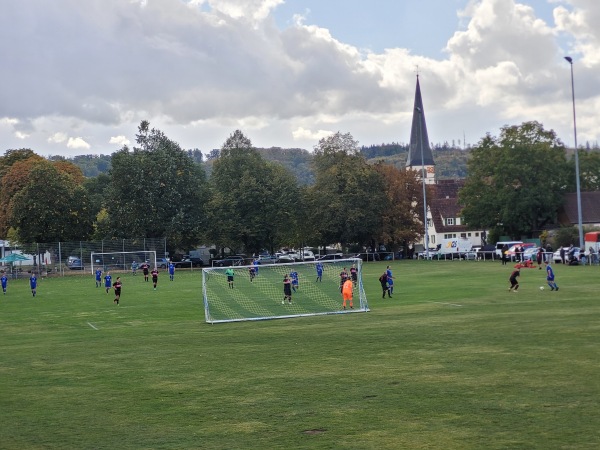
(347,201)
(156,190)
(52,206)
(515,181)
(253,201)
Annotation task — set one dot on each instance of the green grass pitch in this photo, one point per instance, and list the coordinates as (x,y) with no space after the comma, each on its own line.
(452,361)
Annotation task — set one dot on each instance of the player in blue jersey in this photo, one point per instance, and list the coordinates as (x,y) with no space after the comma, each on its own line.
(4,280)
(319,268)
(171,271)
(255,263)
(294,278)
(107,282)
(33,283)
(390,281)
(98,277)
(550,277)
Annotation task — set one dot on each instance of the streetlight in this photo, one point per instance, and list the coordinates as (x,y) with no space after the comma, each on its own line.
(426,242)
(579,217)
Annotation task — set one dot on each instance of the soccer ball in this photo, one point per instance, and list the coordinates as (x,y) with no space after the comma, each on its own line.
(541,288)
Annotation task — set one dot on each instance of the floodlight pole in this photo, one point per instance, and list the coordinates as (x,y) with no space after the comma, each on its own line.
(577,182)
(426,241)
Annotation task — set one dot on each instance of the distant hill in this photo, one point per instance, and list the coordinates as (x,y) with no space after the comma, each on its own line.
(451,162)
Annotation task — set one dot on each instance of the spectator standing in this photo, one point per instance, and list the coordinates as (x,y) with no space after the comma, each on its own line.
(504,254)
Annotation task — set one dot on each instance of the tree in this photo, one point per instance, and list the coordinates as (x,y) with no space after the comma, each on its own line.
(347,200)
(402,216)
(253,201)
(52,206)
(16,176)
(589,170)
(12,156)
(156,190)
(515,181)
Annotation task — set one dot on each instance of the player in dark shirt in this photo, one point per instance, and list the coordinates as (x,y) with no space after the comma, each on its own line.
(117,287)
(154,277)
(287,289)
(514,284)
(145,270)
(343,278)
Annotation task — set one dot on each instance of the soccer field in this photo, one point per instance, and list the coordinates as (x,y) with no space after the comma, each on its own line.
(452,361)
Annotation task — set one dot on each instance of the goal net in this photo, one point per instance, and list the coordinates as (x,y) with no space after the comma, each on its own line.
(122,260)
(260,296)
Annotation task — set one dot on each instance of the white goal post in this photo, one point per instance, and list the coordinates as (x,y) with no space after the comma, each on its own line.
(259,294)
(121,260)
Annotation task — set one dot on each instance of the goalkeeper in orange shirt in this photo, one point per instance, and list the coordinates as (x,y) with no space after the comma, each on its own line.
(347,292)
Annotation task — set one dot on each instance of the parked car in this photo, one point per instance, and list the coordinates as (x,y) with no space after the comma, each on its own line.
(267,259)
(75,264)
(234,260)
(393,256)
(573,253)
(511,253)
(189,262)
(305,255)
(330,257)
(530,254)
(162,263)
(286,258)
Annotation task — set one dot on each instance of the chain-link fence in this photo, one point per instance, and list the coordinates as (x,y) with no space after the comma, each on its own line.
(61,258)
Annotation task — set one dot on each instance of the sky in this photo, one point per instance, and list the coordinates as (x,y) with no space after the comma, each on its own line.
(78,77)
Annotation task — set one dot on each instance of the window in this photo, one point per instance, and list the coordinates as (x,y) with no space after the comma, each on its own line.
(429,223)
(463,235)
(432,238)
(450,221)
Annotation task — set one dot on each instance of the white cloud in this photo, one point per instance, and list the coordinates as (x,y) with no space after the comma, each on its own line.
(301,134)
(57,138)
(77,143)
(119,140)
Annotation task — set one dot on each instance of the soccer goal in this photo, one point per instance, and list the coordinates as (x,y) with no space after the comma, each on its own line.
(122,260)
(260,295)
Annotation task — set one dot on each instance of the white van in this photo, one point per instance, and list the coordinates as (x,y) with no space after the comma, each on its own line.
(501,244)
(457,247)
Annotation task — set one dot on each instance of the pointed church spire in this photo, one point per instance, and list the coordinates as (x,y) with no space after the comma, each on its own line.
(419,140)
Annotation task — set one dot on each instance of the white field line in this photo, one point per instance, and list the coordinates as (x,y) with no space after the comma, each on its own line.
(92,326)
(450,304)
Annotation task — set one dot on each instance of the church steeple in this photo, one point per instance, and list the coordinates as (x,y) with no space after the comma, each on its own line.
(419,151)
